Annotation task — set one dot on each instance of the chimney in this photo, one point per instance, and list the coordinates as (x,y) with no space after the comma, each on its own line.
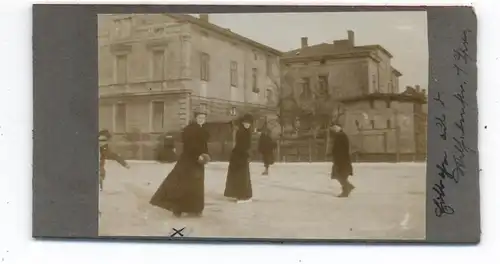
(303,42)
(350,37)
(417,88)
(204,17)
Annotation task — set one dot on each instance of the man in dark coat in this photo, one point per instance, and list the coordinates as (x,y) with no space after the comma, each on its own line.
(183,191)
(342,166)
(106,153)
(238,182)
(266,148)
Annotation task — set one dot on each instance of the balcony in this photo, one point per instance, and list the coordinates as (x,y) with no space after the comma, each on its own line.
(140,88)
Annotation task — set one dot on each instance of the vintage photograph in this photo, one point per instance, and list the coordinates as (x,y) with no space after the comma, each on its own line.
(263,125)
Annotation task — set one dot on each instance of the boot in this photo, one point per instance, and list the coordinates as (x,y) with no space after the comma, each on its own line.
(346,190)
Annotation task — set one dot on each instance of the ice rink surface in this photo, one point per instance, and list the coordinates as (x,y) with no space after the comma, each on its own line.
(297,200)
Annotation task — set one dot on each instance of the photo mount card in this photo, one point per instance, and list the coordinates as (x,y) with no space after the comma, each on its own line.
(179,123)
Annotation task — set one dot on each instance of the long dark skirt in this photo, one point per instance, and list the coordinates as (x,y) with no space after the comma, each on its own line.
(238,182)
(341,172)
(183,191)
(268,159)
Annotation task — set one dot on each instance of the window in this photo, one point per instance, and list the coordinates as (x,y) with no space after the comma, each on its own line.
(269,66)
(204,66)
(388,103)
(374,83)
(255,56)
(158,116)
(120,118)
(306,89)
(323,85)
(269,96)
(233,111)
(233,72)
(255,87)
(388,123)
(372,122)
(158,65)
(121,69)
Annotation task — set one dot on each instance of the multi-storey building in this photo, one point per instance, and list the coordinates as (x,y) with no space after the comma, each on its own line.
(380,119)
(155,69)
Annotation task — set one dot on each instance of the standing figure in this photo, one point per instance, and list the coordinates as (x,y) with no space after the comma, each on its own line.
(266,148)
(183,191)
(342,166)
(166,151)
(238,182)
(106,153)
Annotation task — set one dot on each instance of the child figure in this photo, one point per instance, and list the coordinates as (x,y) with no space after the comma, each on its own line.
(266,148)
(106,153)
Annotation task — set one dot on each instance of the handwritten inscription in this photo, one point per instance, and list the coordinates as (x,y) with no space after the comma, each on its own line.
(452,167)
(441,206)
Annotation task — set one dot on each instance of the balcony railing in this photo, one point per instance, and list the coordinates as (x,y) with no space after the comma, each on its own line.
(135,88)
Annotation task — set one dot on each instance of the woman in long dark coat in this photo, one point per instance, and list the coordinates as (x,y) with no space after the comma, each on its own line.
(166,151)
(266,148)
(183,191)
(342,165)
(238,182)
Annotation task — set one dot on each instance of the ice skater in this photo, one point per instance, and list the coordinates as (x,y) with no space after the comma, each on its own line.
(342,166)
(106,153)
(183,191)
(266,148)
(238,182)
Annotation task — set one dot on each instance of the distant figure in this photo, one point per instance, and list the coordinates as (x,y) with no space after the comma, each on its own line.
(266,149)
(106,153)
(238,182)
(166,150)
(183,191)
(342,166)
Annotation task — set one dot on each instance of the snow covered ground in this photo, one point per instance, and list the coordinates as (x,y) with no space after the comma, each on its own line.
(297,200)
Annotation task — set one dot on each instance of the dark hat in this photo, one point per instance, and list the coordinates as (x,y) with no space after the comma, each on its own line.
(104,135)
(247,118)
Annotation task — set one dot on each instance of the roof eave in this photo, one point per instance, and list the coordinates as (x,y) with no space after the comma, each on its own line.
(225,32)
(347,55)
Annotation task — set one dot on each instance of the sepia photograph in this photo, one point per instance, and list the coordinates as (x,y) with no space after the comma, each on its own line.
(263,125)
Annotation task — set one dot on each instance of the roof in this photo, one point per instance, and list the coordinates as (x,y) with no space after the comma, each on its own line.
(224,31)
(398,73)
(327,48)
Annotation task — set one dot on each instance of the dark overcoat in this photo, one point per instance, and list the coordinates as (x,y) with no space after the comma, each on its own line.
(183,191)
(238,182)
(166,151)
(342,165)
(105,153)
(266,148)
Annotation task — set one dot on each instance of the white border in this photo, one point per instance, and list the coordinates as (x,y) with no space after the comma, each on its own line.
(16,245)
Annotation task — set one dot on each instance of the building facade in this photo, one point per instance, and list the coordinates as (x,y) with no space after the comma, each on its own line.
(357,86)
(155,69)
